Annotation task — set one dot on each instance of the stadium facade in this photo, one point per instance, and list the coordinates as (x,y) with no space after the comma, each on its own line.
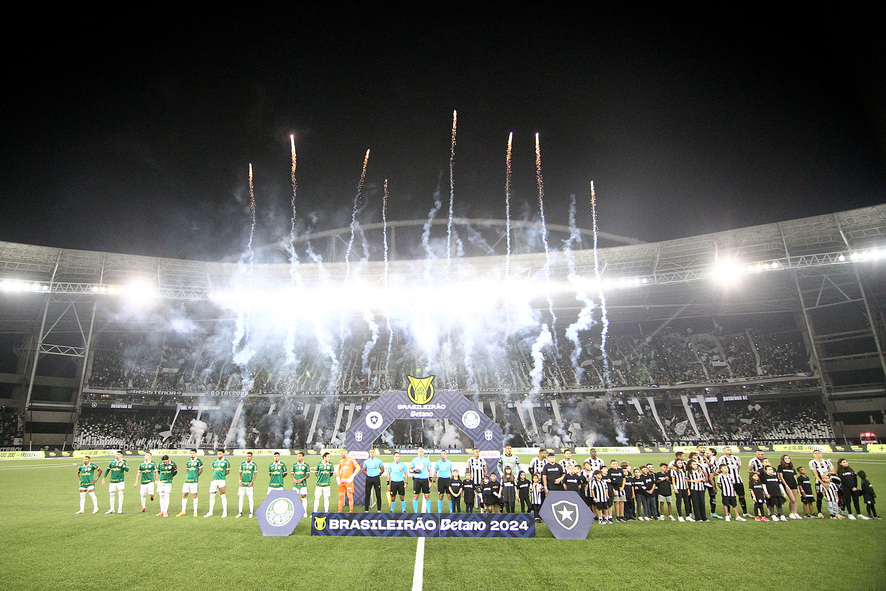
(67,327)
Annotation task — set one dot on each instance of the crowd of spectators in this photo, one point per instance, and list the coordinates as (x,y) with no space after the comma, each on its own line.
(555,422)
(127,429)
(11,429)
(669,357)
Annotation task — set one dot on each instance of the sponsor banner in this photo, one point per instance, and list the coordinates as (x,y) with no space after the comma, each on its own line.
(686,449)
(413,525)
(94,452)
(878,448)
(260,452)
(411,451)
(477,525)
(802,448)
(607,450)
(14,455)
(153,392)
(656,450)
(523,451)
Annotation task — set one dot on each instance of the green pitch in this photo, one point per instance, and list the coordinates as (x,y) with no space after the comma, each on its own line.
(46,546)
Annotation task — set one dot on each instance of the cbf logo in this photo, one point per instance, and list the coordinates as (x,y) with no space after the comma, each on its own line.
(420,390)
(280,512)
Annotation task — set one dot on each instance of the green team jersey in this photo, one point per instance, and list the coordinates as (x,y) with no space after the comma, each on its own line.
(220,469)
(116,471)
(193,470)
(146,472)
(300,472)
(167,472)
(324,473)
(276,472)
(87,474)
(247,472)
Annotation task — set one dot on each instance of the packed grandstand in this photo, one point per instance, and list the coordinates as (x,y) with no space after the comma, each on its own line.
(668,357)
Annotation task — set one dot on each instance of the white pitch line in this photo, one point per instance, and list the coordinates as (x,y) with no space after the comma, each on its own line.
(419,573)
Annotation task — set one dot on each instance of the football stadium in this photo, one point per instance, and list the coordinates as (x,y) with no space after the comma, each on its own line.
(604,307)
(503,339)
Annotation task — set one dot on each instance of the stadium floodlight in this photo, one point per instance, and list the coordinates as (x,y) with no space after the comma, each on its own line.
(727,272)
(17,285)
(872,254)
(140,292)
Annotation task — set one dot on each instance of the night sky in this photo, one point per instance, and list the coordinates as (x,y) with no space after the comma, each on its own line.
(135,134)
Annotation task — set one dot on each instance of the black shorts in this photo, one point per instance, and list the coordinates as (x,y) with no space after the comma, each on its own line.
(398,488)
(775,501)
(739,489)
(443,485)
(421,485)
(729,502)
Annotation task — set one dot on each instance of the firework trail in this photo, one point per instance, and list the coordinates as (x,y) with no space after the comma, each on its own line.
(384,218)
(508,228)
(585,316)
(451,188)
(294,275)
(538,360)
(621,435)
(358,205)
(241,333)
(544,235)
(604,320)
(426,235)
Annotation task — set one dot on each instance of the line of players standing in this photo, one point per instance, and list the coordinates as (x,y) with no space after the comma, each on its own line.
(619,492)
(616,492)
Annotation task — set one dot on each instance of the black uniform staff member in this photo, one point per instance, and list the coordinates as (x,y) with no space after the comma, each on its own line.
(552,474)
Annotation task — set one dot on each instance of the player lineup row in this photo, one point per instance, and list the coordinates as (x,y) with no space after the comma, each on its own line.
(158,476)
(604,491)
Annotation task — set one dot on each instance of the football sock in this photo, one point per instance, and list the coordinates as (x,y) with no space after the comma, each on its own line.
(211,502)
(415,506)
(82,500)
(184,504)
(439,506)
(94,500)
(304,504)
(195,503)
(120,502)
(316,503)
(450,506)
(224,504)
(141,497)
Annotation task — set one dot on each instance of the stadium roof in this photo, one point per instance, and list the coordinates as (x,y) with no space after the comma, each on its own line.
(681,269)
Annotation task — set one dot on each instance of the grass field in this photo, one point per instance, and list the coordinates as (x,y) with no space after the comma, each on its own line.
(47,547)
